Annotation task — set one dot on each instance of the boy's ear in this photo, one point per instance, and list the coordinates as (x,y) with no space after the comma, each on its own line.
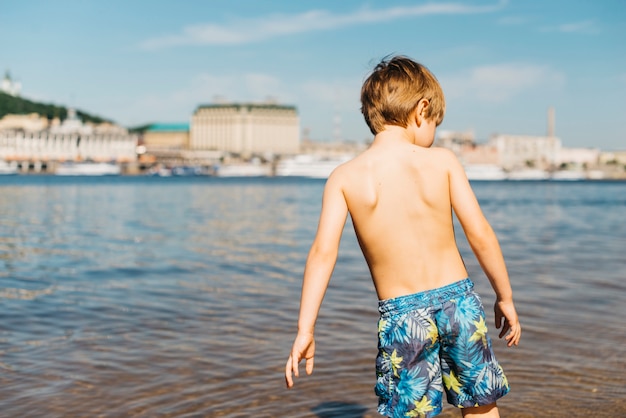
(420,111)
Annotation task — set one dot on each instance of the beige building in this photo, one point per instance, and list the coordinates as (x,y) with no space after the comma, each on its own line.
(579,156)
(519,151)
(166,137)
(246,129)
(466,149)
(455,141)
(28,123)
(613,157)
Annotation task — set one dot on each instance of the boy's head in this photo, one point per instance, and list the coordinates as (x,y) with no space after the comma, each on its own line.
(392,92)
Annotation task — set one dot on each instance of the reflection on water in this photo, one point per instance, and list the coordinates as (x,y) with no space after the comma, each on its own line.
(179,297)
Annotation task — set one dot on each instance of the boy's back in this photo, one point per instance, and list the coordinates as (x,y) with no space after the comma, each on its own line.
(398,196)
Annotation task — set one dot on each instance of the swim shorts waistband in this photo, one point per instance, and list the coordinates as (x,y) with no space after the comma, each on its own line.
(424,299)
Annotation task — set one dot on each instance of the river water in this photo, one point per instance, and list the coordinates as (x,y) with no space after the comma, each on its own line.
(178,297)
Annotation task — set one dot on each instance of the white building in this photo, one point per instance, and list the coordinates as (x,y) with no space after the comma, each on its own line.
(246,129)
(45,146)
(70,140)
(520,151)
(9,86)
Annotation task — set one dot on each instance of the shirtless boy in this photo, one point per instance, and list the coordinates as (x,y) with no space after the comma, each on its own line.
(400,194)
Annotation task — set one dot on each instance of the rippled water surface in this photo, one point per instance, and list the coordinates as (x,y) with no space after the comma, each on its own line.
(177,297)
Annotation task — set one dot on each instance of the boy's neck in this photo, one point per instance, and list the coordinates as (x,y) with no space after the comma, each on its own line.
(394,135)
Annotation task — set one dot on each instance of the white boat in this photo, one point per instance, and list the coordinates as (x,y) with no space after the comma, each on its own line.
(307,165)
(484,172)
(88,169)
(243,170)
(571,175)
(7,169)
(528,174)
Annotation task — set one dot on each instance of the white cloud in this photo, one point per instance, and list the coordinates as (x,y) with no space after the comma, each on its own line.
(241,31)
(501,82)
(587,27)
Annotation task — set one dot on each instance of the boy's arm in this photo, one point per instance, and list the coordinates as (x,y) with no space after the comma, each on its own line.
(485,246)
(319,267)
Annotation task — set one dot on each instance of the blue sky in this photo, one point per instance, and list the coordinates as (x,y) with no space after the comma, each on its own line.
(501,63)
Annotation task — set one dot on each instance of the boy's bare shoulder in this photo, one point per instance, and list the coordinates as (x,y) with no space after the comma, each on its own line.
(444,158)
(340,174)
(347,168)
(442,153)
(345,174)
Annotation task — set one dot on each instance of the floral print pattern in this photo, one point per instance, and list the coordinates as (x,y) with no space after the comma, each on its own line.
(431,342)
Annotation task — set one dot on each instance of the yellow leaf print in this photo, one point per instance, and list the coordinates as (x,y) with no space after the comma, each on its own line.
(381,325)
(481,332)
(395,362)
(433,334)
(421,408)
(451,382)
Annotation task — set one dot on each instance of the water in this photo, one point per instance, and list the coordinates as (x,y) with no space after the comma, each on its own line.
(178,297)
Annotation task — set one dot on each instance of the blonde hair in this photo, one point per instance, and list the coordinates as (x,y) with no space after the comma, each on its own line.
(394,89)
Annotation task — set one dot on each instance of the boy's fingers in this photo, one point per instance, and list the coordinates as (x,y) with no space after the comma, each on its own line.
(295,362)
(514,335)
(288,379)
(505,329)
(518,334)
(309,365)
(498,318)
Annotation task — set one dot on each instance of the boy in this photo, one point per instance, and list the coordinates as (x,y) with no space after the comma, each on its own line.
(400,194)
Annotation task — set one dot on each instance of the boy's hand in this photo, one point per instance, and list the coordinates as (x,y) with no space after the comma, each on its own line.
(303,348)
(506,311)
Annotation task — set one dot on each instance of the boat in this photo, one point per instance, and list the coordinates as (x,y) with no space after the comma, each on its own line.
(188,171)
(308,165)
(528,174)
(484,172)
(243,170)
(571,175)
(7,169)
(88,169)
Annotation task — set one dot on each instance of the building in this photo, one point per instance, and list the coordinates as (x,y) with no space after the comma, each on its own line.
(522,151)
(613,157)
(171,136)
(70,140)
(579,156)
(10,87)
(455,141)
(32,122)
(246,129)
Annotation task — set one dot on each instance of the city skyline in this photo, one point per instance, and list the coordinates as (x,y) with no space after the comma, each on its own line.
(502,64)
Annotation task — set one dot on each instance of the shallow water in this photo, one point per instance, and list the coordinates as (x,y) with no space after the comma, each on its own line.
(178,297)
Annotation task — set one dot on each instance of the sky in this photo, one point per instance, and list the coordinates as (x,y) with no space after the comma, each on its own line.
(502,63)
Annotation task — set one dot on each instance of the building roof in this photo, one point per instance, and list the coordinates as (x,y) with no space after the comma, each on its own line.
(247,106)
(168,127)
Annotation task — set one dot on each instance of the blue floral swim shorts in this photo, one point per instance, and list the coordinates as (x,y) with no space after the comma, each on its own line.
(433,341)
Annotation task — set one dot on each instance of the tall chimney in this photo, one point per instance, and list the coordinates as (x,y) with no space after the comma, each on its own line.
(550,121)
